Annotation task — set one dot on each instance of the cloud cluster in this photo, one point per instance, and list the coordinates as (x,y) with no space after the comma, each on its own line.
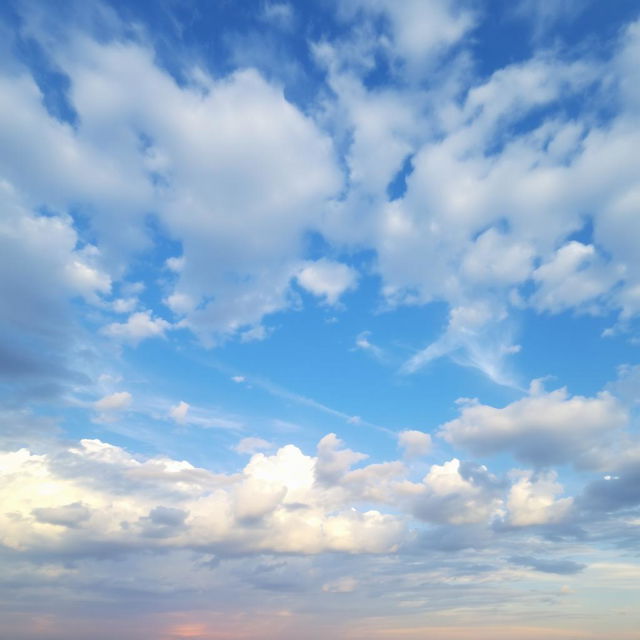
(235,173)
(495,177)
(97,496)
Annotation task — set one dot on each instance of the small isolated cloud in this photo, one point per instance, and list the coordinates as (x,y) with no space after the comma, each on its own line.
(111,406)
(328,279)
(138,327)
(364,344)
(179,412)
(252,445)
(414,443)
(114,402)
(238,379)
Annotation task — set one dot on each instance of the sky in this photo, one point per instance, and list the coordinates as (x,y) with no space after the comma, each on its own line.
(319,319)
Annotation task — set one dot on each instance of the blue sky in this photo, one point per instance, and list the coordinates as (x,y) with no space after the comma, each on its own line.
(319,319)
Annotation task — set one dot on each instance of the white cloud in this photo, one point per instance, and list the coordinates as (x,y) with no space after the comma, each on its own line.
(364,344)
(532,500)
(139,326)
(454,493)
(575,275)
(87,280)
(496,259)
(114,402)
(414,443)
(179,412)
(238,379)
(542,428)
(333,460)
(82,170)
(254,498)
(171,504)
(328,279)
(477,335)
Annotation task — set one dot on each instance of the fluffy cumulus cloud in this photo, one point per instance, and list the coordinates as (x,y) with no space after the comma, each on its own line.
(57,502)
(532,501)
(327,279)
(542,428)
(457,494)
(95,494)
(138,326)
